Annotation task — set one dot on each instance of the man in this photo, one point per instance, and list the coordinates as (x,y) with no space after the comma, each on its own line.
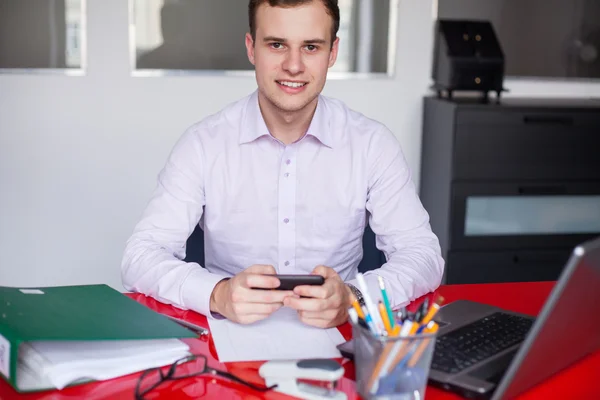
(281,182)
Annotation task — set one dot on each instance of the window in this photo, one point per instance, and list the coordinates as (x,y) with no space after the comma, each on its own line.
(46,35)
(193,35)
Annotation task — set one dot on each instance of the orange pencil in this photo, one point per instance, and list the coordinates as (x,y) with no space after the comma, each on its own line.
(432,311)
(356,306)
(384,317)
(384,362)
(403,351)
(415,357)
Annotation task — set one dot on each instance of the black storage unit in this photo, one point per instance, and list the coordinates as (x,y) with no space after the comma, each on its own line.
(512,187)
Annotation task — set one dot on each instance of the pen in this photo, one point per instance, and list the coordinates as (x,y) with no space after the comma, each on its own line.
(421,310)
(401,316)
(362,322)
(198,329)
(369,321)
(353,316)
(386,301)
(369,303)
(384,317)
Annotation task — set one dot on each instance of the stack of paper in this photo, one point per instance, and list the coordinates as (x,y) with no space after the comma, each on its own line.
(281,336)
(51,364)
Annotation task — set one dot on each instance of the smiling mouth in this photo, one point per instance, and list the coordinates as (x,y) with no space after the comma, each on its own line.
(293,85)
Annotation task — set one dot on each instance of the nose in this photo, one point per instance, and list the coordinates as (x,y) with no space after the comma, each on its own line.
(293,63)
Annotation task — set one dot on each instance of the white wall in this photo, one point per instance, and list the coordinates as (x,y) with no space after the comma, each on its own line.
(79,155)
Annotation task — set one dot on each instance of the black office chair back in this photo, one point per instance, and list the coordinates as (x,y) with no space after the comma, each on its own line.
(372,256)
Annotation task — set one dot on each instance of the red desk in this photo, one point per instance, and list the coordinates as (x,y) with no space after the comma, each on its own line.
(577,381)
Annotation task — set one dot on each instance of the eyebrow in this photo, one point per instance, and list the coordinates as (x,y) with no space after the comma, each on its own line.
(282,40)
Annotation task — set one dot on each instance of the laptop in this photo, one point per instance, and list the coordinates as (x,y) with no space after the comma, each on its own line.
(488,352)
(485,351)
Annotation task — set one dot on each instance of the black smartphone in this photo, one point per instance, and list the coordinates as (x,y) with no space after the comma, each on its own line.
(289,282)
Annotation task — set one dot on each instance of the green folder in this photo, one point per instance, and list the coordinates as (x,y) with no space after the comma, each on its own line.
(74,313)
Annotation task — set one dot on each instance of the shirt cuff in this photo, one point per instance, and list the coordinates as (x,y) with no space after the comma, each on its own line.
(197,290)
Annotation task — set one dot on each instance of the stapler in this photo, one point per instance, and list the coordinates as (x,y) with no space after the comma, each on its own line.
(285,374)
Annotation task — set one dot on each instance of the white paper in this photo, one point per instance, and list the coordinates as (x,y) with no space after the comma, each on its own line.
(60,363)
(4,357)
(31,291)
(282,336)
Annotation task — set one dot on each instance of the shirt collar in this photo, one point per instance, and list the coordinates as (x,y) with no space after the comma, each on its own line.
(319,126)
(254,126)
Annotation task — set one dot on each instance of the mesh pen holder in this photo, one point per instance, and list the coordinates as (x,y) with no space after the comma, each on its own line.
(392,367)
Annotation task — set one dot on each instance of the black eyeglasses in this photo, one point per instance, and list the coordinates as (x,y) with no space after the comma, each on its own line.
(153,377)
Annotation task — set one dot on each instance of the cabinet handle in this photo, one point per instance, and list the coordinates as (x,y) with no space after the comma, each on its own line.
(547,120)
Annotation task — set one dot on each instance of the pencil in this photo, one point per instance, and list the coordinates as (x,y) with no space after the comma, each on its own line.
(432,310)
(386,301)
(384,317)
(383,362)
(402,353)
(431,328)
(356,306)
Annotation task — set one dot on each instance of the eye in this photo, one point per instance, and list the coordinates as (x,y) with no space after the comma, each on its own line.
(311,47)
(276,45)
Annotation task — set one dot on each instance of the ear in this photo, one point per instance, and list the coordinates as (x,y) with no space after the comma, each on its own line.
(250,47)
(334,52)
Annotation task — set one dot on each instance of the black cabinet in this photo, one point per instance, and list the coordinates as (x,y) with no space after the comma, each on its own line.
(512,187)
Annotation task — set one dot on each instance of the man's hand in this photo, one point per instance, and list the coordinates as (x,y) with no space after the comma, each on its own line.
(236,300)
(327,305)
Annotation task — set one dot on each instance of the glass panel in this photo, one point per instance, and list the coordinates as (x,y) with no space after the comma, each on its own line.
(44,34)
(540,38)
(532,215)
(209,35)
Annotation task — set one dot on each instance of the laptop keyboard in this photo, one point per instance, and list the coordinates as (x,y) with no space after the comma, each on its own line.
(457,350)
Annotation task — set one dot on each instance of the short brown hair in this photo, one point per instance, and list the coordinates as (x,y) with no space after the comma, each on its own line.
(331,5)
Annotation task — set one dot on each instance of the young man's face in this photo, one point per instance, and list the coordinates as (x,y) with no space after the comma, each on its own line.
(292,53)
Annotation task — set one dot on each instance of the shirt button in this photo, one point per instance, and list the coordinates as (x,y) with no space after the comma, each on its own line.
(286,174)
(288,162)
(286,220)
(287,263)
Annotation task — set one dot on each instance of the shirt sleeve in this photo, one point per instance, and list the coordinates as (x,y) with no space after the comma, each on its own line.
(414,264)
(153,259)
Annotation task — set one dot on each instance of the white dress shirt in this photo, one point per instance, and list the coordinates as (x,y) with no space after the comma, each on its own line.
(294,206)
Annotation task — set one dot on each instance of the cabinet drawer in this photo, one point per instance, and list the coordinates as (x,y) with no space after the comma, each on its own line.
(523,215)
(505,266)
(520,145)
